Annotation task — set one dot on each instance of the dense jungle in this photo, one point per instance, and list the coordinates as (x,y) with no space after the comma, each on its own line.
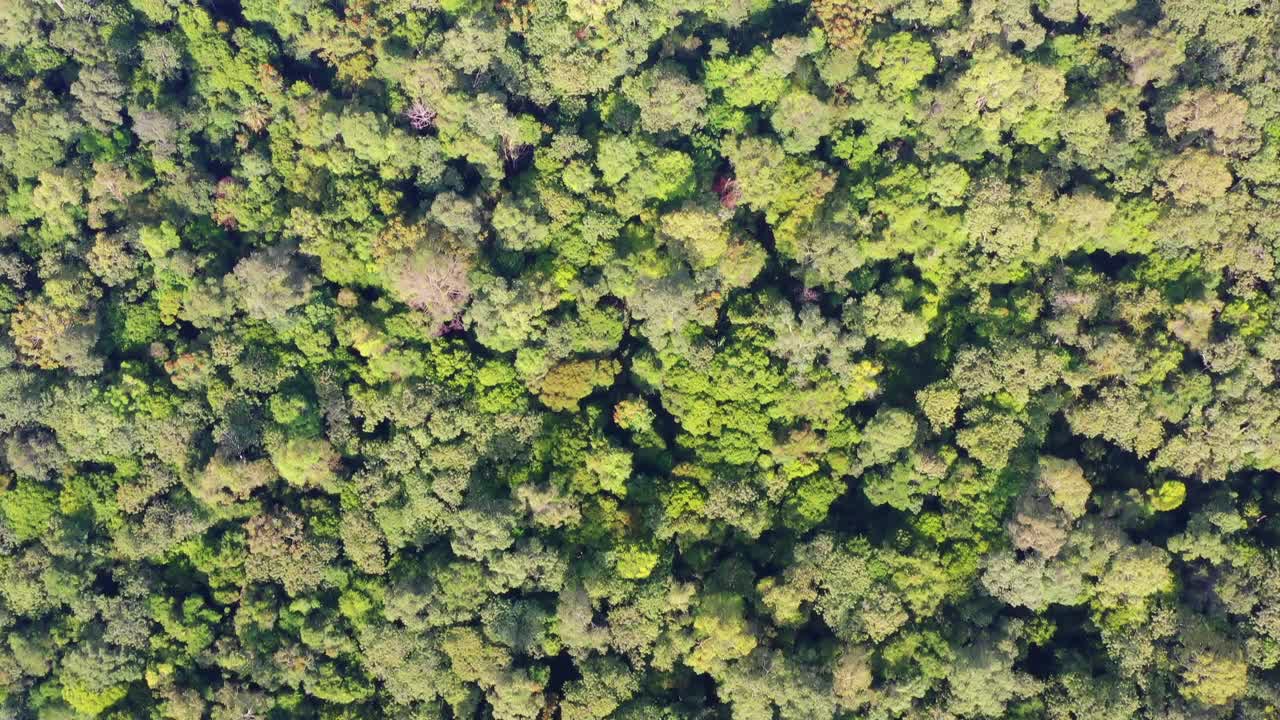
(639,359)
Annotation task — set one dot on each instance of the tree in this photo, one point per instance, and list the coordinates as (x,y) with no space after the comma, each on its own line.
(983,681)
(1065,481)
(1152,54)
(667,99)
(775,183)
(605,685)
(28,508)
(888,432)
(564,385)
(433,283)
(224,482)
(699,233)
(1219,115)
(270,283)
(303,461)
(96,676)
(99,90)
(802,120)
(1195,176)
(722,633)
(1213,670)
(280,549)
(50,336)
(846,21)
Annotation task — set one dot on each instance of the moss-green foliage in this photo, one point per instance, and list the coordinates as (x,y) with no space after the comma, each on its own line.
(680,360)
(28,507)
(1168,496)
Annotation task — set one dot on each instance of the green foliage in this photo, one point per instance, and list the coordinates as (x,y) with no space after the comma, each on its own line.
(566,384)
(634,563)
(159,240)
(666,98)
(28,507)
(1213,671)
(303,461)
(1168,497)
(91,701)
(722,633)
(734,359)
(802,120)
(757,79)
(889,431)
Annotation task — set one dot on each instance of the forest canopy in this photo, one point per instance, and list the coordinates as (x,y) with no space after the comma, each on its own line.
(639,359)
